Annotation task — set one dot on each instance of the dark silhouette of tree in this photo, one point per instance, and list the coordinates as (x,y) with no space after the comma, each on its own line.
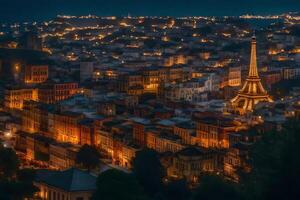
(215,188)
(88,157)
(276,166)
(15,184)
(149,171)
(115,185)
(9,163)
(177,190)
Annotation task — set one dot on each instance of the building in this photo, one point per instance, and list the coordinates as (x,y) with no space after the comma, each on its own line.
(71,184)
(36,74)
(271,77)
(139,131)
(236,160)
(14,97)
(30,40)
(212,132)
(37,117)
(231,76)
(190,91)
(86,71)
(163,141)
(52,92)
(129,82)
(187,132)
(192,162)
(66,127)
(151,80)
(62,155)
(291,73)
(252,91)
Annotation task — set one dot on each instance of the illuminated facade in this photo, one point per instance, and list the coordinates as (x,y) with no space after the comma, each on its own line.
(213,132)
(62,155)
(15,97)
(162,142)
(190,163)
(252,91)
(53,92)
(36,74)
(235,160)
(175,60)
(151,80)
(66,127)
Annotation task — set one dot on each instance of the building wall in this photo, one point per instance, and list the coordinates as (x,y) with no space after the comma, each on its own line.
(47,192)
(14,98)
(36,74)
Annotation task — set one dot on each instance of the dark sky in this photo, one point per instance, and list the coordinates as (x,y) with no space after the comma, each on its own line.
(28,10)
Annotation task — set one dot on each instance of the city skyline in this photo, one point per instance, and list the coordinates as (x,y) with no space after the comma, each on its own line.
(114,100)
(32,10)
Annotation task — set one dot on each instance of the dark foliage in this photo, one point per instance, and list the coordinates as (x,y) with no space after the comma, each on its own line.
(177,190)
(149,171)
(215,188)
(88,157)
(115,185)
(9,162)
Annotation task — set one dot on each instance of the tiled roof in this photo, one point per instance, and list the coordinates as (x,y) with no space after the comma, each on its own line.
(68,180)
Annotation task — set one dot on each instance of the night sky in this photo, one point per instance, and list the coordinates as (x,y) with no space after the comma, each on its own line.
(28,10)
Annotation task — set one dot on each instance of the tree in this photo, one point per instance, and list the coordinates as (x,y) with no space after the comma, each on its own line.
(88,157)
(14,183)
(214,188)
(149,171)
(177,190)
(115,185)
(276,166)
(9,163)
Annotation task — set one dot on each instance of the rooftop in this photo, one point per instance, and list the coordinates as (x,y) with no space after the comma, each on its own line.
(69,180)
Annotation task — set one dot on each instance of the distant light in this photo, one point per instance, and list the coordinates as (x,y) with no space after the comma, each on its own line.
(8,134)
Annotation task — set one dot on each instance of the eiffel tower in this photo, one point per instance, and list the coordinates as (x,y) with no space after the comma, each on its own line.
(252,91)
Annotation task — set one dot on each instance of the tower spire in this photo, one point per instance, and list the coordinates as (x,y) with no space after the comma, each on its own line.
(253,61)
(252,91)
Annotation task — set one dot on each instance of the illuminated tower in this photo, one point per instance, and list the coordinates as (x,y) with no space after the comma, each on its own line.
(252,91)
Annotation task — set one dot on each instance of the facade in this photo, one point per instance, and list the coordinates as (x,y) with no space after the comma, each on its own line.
(15,97)
(187,132)
(36,74)
(163,142)
(231,76)
(270,78)
(192,162)
(213,132)
(151,80)
(36,117)
(236,160)
(30,40)
(52,92)
(66,126)
(62,155)
(291,73)
(191,91)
